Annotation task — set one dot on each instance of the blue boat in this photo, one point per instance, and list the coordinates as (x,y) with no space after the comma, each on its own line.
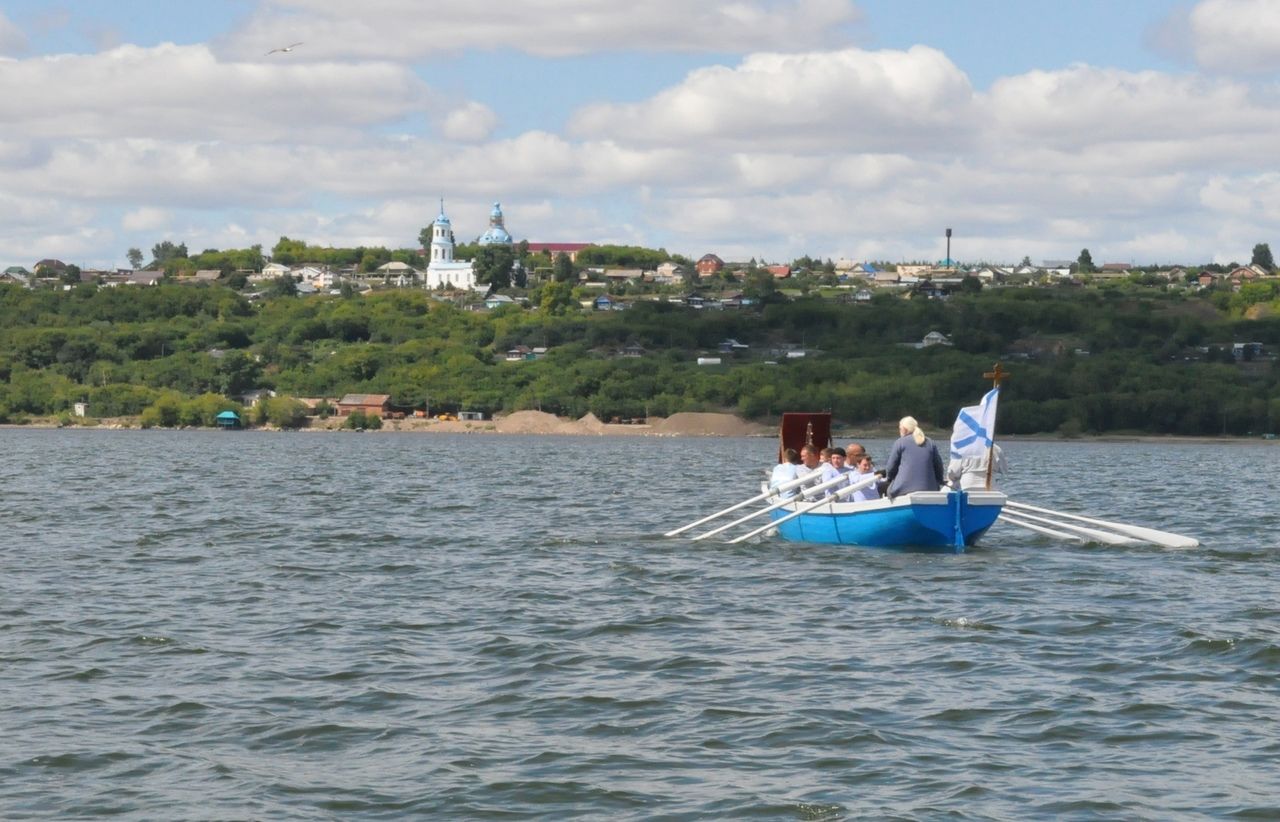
(945,521)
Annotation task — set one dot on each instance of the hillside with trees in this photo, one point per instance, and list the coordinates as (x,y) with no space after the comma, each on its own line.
(1084,360)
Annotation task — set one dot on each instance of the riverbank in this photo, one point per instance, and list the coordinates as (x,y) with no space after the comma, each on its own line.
(684,424)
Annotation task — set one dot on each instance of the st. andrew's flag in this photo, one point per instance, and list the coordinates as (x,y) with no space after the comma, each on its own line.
(975,427)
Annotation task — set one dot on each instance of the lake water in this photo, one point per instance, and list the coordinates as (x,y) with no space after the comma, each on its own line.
(202,625)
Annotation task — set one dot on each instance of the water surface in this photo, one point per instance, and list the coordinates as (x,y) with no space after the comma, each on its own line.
(210,625)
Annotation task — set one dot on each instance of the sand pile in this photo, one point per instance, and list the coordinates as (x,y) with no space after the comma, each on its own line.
(534,422)
(691,424)
(590,424)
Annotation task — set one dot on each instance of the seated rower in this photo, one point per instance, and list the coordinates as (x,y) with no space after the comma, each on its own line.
(833,467)
(810,466)
(787,470)
(862,470)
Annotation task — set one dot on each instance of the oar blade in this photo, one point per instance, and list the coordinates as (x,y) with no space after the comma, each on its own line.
(1165,539)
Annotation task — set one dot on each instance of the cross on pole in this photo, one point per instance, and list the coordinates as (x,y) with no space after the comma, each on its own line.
(997,375)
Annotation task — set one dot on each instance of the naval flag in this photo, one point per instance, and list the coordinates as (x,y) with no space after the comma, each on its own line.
(975,427)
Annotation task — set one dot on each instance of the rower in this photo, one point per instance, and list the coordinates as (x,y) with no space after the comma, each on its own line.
(786,471)
(833,466)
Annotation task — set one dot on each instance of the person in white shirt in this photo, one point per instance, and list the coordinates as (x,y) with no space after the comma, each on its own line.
(970,473)
(786,471)
(810,462)
(832,467)
(863,469)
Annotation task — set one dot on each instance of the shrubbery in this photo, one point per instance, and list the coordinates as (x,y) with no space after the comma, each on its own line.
(359,421)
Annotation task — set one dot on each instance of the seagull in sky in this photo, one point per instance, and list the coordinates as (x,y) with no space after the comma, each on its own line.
(286,49)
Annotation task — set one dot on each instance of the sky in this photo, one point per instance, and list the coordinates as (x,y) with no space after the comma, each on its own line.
(1147,131)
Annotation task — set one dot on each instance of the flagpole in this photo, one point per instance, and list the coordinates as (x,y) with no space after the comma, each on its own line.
(996,375)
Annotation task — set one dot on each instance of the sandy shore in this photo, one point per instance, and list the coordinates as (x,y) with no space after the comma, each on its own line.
(685,424)
(521,422)
(539,422)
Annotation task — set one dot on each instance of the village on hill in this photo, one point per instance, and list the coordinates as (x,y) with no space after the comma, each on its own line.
(605,277)
(460,333)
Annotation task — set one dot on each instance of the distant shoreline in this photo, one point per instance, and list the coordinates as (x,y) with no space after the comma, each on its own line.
(684,424)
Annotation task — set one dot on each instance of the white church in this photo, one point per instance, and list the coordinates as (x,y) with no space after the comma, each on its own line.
(445,272)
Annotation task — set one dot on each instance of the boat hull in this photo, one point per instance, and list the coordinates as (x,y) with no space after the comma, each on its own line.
(931,520)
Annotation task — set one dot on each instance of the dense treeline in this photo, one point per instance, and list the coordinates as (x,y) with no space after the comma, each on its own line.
(1083,360)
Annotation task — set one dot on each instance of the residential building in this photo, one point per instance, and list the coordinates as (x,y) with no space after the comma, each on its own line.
(709,265)
(554,250)
(379,404)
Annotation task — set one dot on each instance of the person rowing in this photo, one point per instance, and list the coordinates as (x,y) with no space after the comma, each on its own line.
(787,470)
(833,467)
(861,470)
(810,465)
(914,463)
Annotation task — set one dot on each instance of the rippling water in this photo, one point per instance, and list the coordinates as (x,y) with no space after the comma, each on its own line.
(206,625)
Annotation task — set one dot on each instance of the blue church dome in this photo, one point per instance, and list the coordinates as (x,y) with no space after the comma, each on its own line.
(497,232)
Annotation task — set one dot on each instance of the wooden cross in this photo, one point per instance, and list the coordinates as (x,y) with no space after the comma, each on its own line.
(997,375)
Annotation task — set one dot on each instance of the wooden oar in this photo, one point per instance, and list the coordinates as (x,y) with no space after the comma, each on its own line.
(786,486)
(1094,534)
(828,484)
(1049,532)
(1162,538)
(840,492)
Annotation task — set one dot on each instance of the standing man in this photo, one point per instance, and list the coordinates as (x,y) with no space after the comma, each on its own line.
(914,463)
(970,473)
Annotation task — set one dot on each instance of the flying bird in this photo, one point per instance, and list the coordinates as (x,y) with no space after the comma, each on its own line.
(286,49)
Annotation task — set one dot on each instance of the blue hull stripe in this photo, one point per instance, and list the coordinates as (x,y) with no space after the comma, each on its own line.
(940,520)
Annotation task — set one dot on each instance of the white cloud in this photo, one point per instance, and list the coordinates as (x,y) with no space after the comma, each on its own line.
(1236,36)
(1082,106)
(471,123)
(13,41)
(146,219)
(185,92)
(849,100)
(400,29)
(830,153)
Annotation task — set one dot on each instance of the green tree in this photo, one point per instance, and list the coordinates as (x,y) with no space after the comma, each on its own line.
(135,257)
(760,285)
(1262,256)
(1084,263)
(359,421)
(492,265)
(557,298)
(165,251)
(285,412)
(563,270)
(289,252)
(284,286)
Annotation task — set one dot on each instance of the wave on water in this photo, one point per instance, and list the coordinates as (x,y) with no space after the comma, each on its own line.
(226,627)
